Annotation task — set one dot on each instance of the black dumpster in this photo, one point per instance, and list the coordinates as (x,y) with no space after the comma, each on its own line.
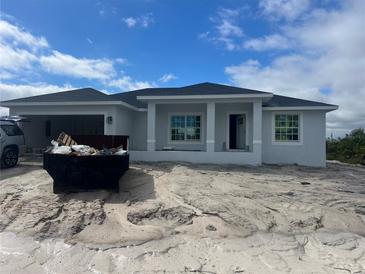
(73,173)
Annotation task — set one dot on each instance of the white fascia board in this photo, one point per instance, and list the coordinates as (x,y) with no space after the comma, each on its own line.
(329,108)
(218,96)
(80,103)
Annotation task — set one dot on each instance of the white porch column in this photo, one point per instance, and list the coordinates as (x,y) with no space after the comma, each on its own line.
(210,127)
(151,125)
(257,130)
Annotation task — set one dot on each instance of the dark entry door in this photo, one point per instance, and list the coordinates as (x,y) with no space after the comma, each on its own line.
(237,131)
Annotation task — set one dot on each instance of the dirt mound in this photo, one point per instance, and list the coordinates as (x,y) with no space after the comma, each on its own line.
(310,224)
(48,216)
(166,216)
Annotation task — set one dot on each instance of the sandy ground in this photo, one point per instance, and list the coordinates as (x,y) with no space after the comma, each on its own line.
(184,218)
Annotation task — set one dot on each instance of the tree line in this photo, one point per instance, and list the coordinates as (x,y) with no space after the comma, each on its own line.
(349,149)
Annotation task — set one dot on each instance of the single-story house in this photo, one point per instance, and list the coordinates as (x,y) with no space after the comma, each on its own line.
(202,123)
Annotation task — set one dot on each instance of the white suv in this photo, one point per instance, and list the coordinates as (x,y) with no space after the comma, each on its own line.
(12,143)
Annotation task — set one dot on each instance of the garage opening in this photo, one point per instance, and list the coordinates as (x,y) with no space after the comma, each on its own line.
(43,128)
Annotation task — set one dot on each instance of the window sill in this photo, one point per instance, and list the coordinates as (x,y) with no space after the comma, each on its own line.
(286,143)
(185,143)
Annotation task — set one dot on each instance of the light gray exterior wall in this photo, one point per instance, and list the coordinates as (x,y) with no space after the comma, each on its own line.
(312,151)
(138,137)
(123,121)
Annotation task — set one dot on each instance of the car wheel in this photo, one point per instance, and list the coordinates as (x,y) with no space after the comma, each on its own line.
(10,157)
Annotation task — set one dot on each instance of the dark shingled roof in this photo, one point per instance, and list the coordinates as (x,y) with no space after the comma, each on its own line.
(76,95)
(284,101)
(130,97)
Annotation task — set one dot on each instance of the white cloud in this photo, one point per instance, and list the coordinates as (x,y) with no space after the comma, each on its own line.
(64,64)
(168,77)
(141,21)
(13,91)
(204,35)
(330,54)
(121,61)
(130,21)
(146,20)
(126,83)
(9,32)
(287,9)
(273,41)
(226,30)
(14,59)
(18,49)
(284,75)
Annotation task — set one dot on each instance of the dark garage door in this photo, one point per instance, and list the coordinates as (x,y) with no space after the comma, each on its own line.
(43,128)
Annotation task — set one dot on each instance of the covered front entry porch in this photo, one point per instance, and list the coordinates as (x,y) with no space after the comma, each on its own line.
(221,132)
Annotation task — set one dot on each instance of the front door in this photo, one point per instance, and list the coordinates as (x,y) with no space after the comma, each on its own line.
(237,131)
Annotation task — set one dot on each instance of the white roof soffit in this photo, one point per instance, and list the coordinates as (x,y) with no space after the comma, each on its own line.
(79,103)
(328,108)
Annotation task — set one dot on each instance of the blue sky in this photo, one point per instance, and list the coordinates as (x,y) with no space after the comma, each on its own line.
(169,44)
(303,48)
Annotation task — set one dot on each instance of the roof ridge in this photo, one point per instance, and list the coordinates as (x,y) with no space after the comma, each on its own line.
(144,89)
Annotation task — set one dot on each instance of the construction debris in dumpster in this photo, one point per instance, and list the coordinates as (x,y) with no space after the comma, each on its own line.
(66,145)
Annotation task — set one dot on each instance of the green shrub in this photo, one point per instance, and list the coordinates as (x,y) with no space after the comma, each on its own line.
(349,149)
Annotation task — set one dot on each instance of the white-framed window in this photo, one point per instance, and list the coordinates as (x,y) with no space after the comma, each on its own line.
(287,128)
(185,128)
